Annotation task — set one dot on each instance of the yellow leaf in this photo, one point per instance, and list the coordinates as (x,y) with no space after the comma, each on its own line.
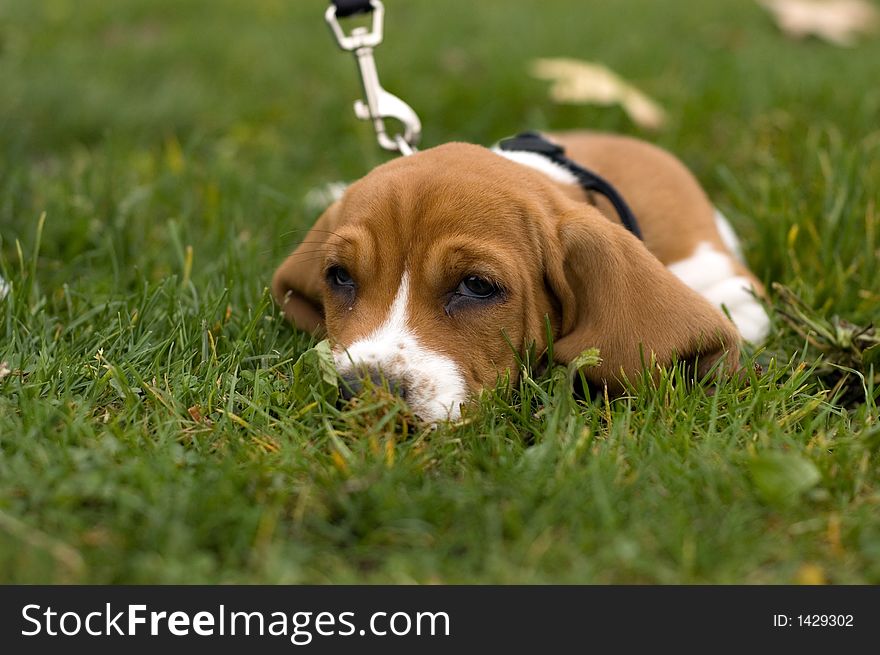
(833,535)
(389,452)
(267,444)
(810,574)
(793,235)
(837,21)
(174,158)
(584,82)
(187,264)
(339,462)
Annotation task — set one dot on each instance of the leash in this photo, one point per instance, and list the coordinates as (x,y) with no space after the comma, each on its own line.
(380,104)
(589,181)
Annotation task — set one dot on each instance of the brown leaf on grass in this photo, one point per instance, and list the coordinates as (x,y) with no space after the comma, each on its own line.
(584,82)
(195,413)
(837,21)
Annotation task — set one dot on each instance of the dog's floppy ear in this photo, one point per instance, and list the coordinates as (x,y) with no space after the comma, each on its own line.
(613,294)
(298,282)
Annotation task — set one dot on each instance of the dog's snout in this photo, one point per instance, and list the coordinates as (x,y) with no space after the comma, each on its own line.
(354,381)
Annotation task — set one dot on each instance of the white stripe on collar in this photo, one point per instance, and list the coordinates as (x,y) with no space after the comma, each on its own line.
(538,162)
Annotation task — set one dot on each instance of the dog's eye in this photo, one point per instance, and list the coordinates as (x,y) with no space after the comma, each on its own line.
(339,276)
(474,286)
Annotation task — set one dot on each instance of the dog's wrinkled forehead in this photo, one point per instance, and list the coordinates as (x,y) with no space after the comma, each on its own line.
(458,184)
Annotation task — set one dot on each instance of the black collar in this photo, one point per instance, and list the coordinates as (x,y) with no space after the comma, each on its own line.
(589,181)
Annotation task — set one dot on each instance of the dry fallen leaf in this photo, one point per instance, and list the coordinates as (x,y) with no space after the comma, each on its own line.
(195,413)
(837,21)
(583,82)
(4,370)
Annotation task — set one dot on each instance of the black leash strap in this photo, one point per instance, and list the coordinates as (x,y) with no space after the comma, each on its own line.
(533,142)
(351,7)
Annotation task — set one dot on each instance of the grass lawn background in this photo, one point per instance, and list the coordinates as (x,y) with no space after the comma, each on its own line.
(152,426)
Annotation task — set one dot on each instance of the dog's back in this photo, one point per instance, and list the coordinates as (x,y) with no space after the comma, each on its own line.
(679,223)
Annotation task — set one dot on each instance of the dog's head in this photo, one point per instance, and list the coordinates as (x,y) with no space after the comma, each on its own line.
(435,270)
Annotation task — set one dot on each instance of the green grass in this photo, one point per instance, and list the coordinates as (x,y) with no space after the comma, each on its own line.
(152,428)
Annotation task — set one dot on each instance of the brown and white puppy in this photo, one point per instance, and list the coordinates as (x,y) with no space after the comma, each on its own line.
(431,267)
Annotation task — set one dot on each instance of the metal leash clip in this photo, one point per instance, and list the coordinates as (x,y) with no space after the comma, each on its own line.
(379,103)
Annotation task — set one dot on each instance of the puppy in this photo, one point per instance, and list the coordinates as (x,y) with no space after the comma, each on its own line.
(433,271)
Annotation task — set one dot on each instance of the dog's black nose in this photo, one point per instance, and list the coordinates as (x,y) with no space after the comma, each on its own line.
(353,383)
